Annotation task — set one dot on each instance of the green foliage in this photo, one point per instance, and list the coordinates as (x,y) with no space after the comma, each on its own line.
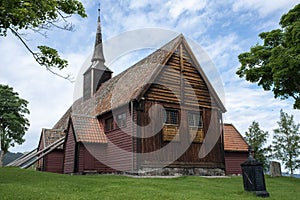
(257,138)
(50,58)
(13,123)
(39,15)
(275,65)
(41,185)
(286,142)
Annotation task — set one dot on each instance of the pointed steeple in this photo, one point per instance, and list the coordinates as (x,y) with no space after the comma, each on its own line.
(98,49)
(97,73)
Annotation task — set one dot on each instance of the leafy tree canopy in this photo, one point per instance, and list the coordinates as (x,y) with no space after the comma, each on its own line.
(39,16)
(13,123)
(257,138)
(286,142)
(275,65)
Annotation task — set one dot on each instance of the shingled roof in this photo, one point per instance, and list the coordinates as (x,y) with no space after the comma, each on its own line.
(133,82)
(63,121)
(233,140)
(127,86)
(87,129)
(50,136)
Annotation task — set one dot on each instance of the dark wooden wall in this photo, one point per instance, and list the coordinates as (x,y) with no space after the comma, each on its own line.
(70,148)
(215,157)
(180,86)
(180,82)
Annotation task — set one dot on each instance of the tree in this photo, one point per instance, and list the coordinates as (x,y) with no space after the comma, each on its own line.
(13,123)
(39,16)
(286,142)
(256,138)
(275,65)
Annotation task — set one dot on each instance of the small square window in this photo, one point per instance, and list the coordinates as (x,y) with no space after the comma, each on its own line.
(195,119)
(171,117)
(121,120)
(109,124)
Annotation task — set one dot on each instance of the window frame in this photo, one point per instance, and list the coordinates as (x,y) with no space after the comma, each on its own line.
(194,114)
(167,118)
(112,124)
(121,122)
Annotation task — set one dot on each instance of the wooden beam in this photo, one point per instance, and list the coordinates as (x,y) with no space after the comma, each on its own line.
(181,76)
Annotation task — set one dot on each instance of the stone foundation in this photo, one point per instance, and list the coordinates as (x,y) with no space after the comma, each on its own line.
(167,171)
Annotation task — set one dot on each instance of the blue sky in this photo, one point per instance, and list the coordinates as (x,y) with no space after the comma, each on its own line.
(224,29)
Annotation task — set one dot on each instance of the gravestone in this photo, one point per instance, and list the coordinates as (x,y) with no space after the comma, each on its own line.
(275,169)
(253,176)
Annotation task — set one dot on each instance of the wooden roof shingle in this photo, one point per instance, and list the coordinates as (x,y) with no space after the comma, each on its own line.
(87,129)
(233,140)
(127,86)
(50,136)
(133,82)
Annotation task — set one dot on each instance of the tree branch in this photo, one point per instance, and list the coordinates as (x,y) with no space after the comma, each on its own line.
(69,77)
(63,17)
(36,57)
(22,40)
(39,32)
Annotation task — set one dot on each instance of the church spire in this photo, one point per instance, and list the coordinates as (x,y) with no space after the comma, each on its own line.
(97,73)
(98,49)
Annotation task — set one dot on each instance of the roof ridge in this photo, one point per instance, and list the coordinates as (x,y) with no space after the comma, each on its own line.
(139,62)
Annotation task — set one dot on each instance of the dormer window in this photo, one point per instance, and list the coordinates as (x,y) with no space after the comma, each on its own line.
(109,124)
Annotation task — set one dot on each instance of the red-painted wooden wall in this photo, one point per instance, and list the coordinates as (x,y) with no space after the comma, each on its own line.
(233,161)
(54,161)
(70,148)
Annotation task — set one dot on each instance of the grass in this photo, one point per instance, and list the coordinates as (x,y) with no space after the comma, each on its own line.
(28,184)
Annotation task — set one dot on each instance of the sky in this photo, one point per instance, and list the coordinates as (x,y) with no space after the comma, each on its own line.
(223,29)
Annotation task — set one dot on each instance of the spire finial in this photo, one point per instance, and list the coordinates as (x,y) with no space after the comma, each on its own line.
(99,9)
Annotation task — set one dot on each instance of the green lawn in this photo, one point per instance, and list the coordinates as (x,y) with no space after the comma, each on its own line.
(28,184)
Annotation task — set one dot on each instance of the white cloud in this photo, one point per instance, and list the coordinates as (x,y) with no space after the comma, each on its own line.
(48,95)
(264,8)
(177,7)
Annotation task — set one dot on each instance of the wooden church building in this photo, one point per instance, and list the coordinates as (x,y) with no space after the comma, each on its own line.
(160,116)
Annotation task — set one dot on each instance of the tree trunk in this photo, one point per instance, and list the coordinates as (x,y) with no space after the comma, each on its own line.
(291,165)
(1,158)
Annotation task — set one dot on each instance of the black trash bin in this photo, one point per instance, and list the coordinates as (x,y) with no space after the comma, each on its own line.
(253,177)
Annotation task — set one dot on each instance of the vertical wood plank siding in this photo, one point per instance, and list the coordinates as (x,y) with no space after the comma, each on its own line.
(54,161)
(233,161)
(190,156)
(167,92)
(69,159)
(120,139)
(90,155)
